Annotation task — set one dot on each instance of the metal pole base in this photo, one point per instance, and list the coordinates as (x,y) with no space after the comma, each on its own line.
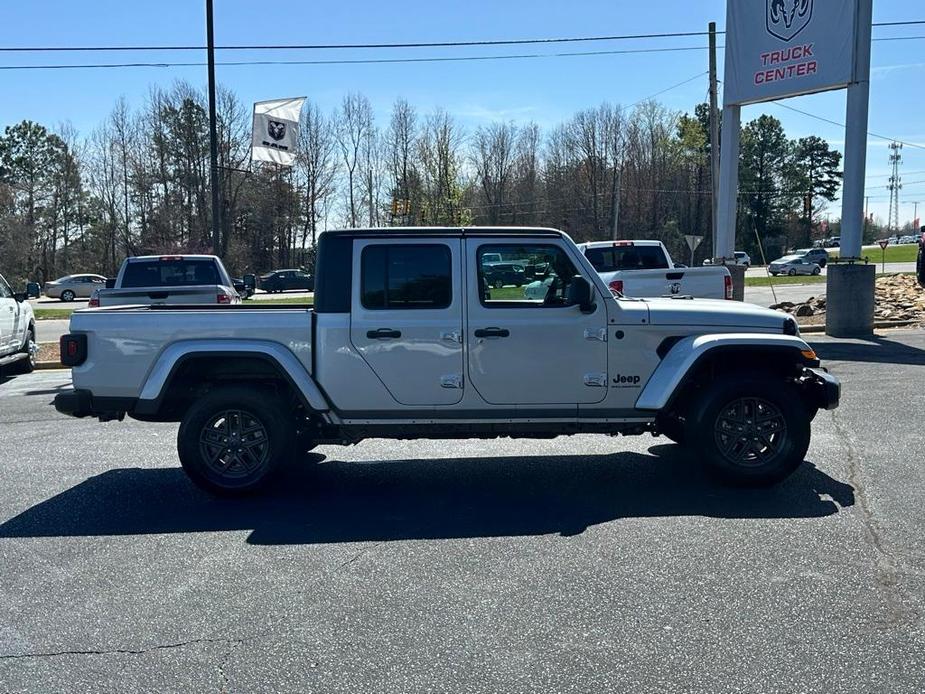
(738,281)
(849,309)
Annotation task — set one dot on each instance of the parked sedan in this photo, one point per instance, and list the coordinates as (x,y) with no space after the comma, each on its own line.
(499,275)
(72,287)
(287,280)
(741,258)
(820,256)
(794,265)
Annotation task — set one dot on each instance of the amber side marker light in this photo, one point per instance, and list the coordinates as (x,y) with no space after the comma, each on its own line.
(809,354)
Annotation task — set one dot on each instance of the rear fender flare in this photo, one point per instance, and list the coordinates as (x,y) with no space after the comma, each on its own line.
(173,356)
(688,352)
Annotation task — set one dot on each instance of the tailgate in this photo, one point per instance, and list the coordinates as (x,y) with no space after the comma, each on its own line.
(161,296)
(701,283)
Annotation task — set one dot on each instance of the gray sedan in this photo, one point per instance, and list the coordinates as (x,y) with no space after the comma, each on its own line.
(794,265)
(71,287)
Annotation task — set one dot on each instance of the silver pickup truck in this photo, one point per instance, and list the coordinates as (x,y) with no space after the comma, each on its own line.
(168,279)
(407,340)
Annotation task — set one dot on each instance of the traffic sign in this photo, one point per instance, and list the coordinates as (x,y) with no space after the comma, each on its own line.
(884,243)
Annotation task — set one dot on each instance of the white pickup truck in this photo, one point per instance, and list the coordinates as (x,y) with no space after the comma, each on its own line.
(17,331)
(644,268)
(406,340)
(167,280)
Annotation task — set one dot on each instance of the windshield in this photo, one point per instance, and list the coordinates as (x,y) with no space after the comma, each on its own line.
(627,258)
(170,273)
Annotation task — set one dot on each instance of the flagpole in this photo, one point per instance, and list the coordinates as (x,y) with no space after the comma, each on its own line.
(214,180)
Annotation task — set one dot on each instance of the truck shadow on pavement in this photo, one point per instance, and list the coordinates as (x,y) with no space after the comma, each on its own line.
(425,499)
(875,350)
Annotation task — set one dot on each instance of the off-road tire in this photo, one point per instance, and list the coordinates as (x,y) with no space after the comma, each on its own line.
(26,366)
(775,434)
(265,432)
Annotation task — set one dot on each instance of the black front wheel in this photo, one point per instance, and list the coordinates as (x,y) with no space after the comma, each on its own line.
(232,440)
(750,431)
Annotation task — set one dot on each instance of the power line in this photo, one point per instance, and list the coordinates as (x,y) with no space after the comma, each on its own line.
(842,125)
(413,44)
(358,61)
(372,61)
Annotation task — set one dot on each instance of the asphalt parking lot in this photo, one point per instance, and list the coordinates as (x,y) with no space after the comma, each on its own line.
(582,564)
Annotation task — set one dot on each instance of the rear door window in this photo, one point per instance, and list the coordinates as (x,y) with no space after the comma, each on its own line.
(406,277)
(170,273)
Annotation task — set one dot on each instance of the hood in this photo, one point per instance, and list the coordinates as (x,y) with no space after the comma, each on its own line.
(707,312)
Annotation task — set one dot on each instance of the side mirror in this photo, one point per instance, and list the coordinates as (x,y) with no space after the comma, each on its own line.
(580,293)
(250,282)
(33,291)
(111,283)
(21,296)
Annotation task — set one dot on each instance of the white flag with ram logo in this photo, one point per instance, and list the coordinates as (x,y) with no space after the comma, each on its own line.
(276,130)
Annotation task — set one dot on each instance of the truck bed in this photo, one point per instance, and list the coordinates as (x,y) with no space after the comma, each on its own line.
(126,341)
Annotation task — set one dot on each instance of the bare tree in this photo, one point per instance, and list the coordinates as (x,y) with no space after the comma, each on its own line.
(356,118)
(317,163)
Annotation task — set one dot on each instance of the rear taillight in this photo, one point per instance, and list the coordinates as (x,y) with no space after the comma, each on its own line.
(94,302)
(728,283)
(224,298)
(73,349)
(616,286)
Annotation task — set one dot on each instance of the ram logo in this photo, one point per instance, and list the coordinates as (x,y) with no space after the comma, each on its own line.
(787,18)
(276,130)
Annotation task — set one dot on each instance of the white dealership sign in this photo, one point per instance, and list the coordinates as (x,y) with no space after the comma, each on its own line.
(782,48)
(276,130)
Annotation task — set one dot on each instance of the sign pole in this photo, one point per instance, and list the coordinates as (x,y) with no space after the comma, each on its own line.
(714,136)
(213,137)
(856,138)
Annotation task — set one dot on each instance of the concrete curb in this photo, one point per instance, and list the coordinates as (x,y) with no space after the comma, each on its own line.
(46,365)
(880,325)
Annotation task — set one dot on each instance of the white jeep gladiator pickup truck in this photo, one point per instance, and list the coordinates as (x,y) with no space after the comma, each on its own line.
(168,279)
(644,268)
(406,340)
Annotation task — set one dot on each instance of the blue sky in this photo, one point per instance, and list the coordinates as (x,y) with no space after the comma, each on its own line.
(542,90)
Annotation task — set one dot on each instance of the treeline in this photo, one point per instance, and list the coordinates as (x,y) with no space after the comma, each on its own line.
(139,183)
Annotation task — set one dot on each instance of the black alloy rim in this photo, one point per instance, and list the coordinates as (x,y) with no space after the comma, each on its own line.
(750,431)
(234,444)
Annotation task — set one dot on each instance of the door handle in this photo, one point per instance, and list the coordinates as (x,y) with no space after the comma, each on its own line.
(492,332)
(158,295)
(383,333)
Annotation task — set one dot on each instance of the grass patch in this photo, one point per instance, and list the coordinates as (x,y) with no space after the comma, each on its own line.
(800,279)
(284,301)
(784,279)
(52,313)
(905,253)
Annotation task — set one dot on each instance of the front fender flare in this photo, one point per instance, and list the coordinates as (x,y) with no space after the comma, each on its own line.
(687,352)
(160,374)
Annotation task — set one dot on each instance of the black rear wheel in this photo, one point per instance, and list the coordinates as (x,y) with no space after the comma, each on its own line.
(232,440)
(749,431)
(27,365)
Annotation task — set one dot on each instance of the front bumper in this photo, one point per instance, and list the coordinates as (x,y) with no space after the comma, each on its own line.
(822,389)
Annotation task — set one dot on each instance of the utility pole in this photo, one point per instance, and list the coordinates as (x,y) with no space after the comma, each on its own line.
(714,136)
(214,179)
(615,203)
